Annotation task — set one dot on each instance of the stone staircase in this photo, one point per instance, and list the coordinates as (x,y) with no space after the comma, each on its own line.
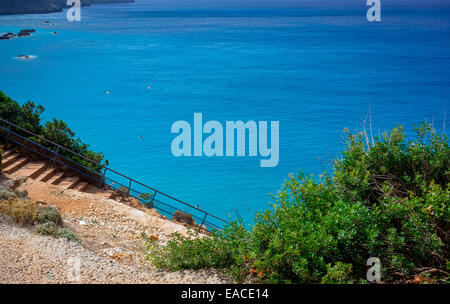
(21,164)
(18,164)
(22,161)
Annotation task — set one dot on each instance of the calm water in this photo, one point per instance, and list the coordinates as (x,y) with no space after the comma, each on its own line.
(313,70)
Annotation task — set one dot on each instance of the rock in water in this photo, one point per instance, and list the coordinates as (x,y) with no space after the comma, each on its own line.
(24,33)
(7,36)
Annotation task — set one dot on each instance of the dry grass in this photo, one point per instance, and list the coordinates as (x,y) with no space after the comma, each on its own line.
(23,212)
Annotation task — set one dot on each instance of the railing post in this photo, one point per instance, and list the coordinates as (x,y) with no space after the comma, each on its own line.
(153,198)
(100,184)
(7,134)
(201,225)
(56,155)
(129,187)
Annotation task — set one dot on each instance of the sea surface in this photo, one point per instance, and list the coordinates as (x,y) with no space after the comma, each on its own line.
(314,70)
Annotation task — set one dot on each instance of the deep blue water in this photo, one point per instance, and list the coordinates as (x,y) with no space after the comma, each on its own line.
(314,70)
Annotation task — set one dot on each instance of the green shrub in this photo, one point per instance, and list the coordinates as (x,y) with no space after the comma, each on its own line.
(221,250)
(388,199)
(195,246)
(58,132)
(48,228)
(68,234)
(28,117)
(6,194)
(28,213)
(51,229)
(21,193)
(338,274)
(49,214)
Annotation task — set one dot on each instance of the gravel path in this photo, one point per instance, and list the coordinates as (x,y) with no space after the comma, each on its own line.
(29,258)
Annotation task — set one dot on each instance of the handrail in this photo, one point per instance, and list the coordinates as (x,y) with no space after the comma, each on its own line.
(53,143)
(101,181)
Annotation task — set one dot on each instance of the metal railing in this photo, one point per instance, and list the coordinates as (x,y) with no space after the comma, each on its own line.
(109,178)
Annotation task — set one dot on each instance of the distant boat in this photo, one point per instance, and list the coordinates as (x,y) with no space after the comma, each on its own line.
(26,57)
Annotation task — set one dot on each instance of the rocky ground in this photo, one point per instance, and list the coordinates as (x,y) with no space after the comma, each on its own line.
(111,248)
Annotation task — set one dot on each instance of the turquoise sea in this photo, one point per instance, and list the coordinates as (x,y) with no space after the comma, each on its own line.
(314,70)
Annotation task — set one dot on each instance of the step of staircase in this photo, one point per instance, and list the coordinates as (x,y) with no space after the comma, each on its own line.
(47,174)
(18,164)
(10,159)
(75,184)
(56,178)
(13,167)
(30,168)
(7,153)
(15,163)
(69,182)
(39,170)
(81,186)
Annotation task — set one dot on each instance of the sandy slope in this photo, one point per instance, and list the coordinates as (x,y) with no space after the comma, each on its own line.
(111,250)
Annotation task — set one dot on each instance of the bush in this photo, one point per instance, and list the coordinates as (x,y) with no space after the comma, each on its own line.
(51,229)
(222,250)
(48,228)
(194,246)
(68,234)
(28,117)
(58,132)
(49,214)
(387,199)
(21,211)
(6,194)
(338,274)
(23,194)
(28,213)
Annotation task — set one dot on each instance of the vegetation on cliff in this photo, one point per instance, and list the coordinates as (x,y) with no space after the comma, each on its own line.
(45,220)
(8,7)
(16,206)
(28,117)
(387,198)
(28,7)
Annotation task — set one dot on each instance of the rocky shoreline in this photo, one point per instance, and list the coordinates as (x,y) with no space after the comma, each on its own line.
(14,7)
